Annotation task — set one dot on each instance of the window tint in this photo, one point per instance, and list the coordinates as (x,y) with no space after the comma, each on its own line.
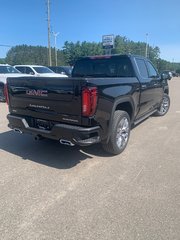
(8,69)
(103,67)
(42,70)
(21,69)
(142,68)
(152,70)
(29,70)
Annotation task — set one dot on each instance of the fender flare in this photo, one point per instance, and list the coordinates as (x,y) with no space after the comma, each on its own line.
(126,99)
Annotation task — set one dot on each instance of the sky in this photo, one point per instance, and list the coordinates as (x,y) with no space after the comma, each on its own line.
(25,22)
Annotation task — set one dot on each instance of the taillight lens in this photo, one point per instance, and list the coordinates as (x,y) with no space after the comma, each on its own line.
(6,94)
(89,101)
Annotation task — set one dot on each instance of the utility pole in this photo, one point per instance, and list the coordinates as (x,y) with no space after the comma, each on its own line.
(55,45)
(49,32)
(146,52)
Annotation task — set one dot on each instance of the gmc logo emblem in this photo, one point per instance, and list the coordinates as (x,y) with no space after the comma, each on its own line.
(39,93)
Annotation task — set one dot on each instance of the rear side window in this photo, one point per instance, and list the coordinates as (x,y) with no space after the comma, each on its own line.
(21,69)
(142,68)
(29,70)
(103,67)
(152,70)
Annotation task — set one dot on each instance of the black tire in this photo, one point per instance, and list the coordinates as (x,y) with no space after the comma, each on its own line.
(120,133)
(163,109)
(2,97)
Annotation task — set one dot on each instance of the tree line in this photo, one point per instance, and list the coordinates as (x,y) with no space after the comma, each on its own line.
(24,54)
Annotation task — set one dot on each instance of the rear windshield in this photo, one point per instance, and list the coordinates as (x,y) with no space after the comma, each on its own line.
(103,67)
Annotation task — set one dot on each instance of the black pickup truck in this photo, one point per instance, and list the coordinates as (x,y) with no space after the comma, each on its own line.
(103,99)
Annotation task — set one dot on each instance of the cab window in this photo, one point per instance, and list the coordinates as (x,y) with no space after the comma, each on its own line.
(152,71)
(142,68)
(29,71)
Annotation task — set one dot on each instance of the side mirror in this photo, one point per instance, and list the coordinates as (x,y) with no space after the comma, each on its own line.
(31,73)
(164,76)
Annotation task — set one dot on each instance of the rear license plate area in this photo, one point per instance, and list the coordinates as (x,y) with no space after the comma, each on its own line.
(43,124)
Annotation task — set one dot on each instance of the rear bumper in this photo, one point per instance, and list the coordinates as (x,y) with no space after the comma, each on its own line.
(82,136)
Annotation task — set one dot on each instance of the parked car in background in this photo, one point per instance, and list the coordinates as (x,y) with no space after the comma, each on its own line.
(6,71)
(65,70)
(38,71)
(168,73)
(175,74)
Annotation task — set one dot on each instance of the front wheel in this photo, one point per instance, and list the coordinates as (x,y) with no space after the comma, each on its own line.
(164,107)
(120,133)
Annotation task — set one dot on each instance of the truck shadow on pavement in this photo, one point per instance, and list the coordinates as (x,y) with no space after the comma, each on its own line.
(47,152)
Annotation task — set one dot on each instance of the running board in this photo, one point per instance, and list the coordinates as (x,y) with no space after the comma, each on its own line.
(144,117)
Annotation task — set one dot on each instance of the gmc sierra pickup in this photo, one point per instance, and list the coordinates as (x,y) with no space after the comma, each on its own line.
(103,99)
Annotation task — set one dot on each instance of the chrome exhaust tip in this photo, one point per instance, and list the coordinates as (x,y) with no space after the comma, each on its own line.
(66,142)
(17,130)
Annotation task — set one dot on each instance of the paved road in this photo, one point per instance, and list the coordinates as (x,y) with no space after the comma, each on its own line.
(49,191)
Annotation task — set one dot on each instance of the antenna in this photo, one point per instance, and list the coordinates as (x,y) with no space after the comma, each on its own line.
(146,51)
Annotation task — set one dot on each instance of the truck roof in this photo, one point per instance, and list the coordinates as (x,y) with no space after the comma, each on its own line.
(112,55)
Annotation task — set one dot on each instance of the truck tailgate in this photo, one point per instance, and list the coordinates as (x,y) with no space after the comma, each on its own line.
(56,99)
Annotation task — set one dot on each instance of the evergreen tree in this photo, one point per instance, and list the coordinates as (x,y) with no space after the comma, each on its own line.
(24,54)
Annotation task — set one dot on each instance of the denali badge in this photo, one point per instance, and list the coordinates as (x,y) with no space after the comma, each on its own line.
(39,106)
(40,93)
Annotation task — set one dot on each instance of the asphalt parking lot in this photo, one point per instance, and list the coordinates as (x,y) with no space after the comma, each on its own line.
(50,191)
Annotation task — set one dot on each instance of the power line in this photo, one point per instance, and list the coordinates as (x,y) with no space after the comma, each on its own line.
(4,45)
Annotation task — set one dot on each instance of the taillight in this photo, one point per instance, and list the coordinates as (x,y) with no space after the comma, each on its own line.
(89,101)
(6,94)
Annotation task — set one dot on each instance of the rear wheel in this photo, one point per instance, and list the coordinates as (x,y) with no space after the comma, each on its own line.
(120,133)
(163,109)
